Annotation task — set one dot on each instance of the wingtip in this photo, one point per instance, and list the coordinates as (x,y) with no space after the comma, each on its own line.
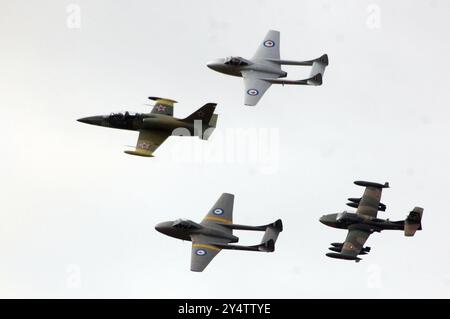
(228,194)
(136,153)
(156,98)
(324,59)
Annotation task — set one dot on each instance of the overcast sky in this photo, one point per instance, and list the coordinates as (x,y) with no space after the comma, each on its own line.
(78,215)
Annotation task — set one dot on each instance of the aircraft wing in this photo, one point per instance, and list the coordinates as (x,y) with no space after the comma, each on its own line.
(354,242)
(203,251)
(220,213)
(162,106)
(148,141)
(369,203)
(269,48)
(255,87)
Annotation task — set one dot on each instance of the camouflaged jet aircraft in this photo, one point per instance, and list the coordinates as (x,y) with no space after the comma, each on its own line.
(264,69)
(215,232)
(155,127)
(364,222)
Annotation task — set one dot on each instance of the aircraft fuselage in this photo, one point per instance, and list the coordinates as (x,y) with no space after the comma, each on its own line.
(235,68)
(183,229)
(138,121)
(345,220)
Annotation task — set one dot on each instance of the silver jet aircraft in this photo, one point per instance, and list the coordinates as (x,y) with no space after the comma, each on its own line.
(264,69)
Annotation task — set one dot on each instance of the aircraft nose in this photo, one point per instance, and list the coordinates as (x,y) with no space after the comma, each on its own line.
(215,64)
(94,120)
(162,227)
(323,220)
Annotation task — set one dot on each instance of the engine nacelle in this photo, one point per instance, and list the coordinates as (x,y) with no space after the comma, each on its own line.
(354,205)
(354,200)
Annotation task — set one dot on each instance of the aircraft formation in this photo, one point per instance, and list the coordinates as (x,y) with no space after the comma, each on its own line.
(215,232)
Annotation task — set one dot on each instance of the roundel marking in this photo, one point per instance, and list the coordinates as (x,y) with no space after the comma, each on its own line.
(218,211)
(200,252)
(253,92)
(269,43)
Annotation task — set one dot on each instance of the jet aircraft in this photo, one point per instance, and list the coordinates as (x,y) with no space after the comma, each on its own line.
(155,127)
(215,232)
(364,222)
(264,68)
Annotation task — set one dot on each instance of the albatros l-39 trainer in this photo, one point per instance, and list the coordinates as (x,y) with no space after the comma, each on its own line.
(155,127)
(364,222)
(215,232)
(264,69)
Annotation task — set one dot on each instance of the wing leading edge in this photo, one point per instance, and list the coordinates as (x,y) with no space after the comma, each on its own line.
(203,251)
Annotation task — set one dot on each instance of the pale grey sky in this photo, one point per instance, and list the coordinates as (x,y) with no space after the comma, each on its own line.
(78,215)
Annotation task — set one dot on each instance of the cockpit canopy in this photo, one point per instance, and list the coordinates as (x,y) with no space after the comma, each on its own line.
(184,224)
(342,216)
(236,61)
(122,115)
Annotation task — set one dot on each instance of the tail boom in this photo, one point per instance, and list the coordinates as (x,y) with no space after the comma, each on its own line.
(314,80)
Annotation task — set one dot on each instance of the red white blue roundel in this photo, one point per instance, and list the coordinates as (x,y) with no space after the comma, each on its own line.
(218,211)
(200,252)
(269,43)
(253,92)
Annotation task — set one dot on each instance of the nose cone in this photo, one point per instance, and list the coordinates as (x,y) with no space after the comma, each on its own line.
(163,227)
(324,220)
(215,65)
(211,65)
(93,120)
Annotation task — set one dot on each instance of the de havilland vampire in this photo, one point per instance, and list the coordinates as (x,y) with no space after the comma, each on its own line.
(364,222)
(264,68)
(215,232)
(155,127)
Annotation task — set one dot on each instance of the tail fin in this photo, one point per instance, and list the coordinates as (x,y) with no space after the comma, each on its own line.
(414,221)
(319,65)
(267,246)
(204,113)
(272,232)
(210,127)
(208,118)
